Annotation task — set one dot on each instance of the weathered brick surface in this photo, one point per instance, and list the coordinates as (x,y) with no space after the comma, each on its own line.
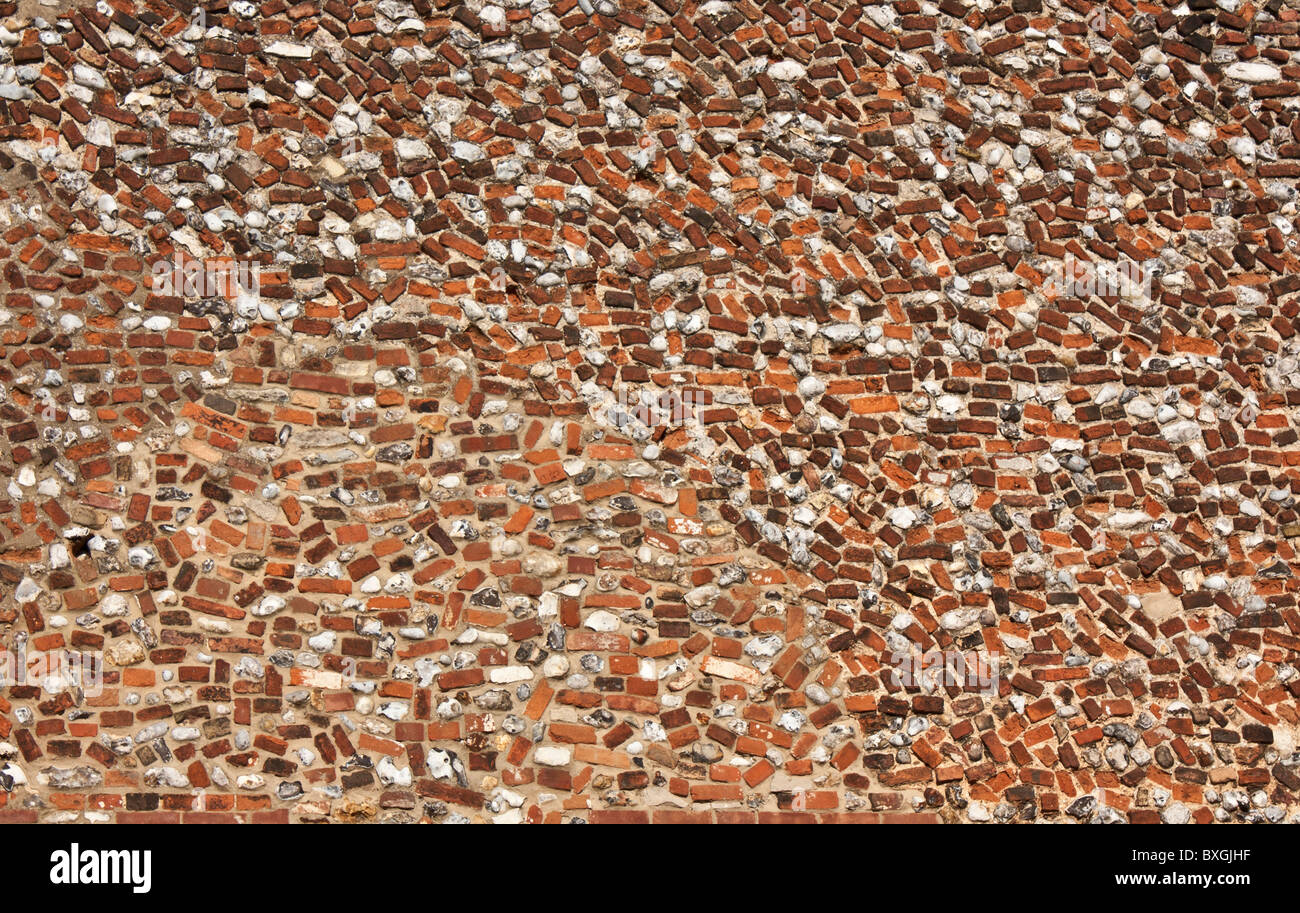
(383,537)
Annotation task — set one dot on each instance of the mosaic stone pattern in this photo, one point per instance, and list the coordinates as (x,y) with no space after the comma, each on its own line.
(648,412)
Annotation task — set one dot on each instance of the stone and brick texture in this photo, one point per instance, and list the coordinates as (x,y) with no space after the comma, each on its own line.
(380,541)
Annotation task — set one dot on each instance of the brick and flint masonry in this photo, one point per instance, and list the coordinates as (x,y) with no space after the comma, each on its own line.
(446,411)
